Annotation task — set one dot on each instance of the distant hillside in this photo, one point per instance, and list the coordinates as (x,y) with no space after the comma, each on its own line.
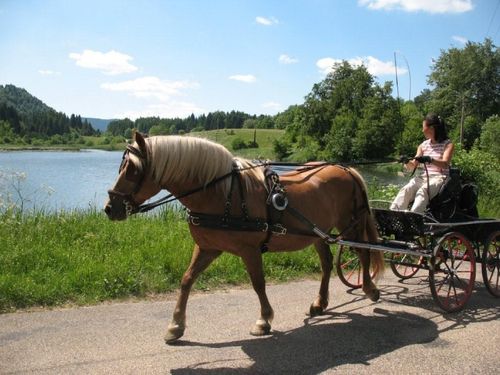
(28,116)
(22,101)
(98,123)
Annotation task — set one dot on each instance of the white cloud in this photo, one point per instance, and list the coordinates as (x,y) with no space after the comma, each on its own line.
(48,72)
(247,78)
(151,87)
(459,39)
(266,21)
(272,105)
(112,62)
(372,64)
(164,110)
(285,59)
(430,6)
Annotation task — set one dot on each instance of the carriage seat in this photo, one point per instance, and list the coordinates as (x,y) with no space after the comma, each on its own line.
(454,199)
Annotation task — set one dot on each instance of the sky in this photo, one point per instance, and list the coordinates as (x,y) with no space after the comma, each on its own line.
(171,58)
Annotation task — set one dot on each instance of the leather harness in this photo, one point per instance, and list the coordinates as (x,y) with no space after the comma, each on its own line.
(276,203)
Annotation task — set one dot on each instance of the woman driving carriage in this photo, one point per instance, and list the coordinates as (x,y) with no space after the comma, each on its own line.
(436,151)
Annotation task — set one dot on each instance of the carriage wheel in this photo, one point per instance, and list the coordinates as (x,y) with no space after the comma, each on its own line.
(349,268)
(405,266)
(491,264)
(452,272)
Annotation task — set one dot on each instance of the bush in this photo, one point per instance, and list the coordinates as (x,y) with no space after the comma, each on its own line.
(282,149)
(481,168)
(238,144)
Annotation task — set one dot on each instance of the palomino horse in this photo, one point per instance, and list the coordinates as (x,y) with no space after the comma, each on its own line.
(198,173)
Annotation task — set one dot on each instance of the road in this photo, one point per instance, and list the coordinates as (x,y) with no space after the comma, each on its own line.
(403,333)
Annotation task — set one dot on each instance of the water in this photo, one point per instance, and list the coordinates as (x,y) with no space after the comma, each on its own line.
(55,180)
(63,180)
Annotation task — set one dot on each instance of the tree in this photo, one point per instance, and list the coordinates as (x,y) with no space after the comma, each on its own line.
(412,136)
(490,136)
(466,83)
(351,116)
(344,89)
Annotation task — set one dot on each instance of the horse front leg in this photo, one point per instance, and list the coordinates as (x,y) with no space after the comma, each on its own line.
(369,286)
(321,302)
(200,260)
(253,263)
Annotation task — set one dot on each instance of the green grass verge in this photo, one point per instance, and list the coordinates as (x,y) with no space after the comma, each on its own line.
(82,257)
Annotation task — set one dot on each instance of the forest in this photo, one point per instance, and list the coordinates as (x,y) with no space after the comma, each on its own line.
(24,118)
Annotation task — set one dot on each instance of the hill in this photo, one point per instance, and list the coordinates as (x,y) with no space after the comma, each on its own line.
(22,101)
(98,123)
(24,115)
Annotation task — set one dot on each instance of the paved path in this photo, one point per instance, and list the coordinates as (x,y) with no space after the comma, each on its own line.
(404,333)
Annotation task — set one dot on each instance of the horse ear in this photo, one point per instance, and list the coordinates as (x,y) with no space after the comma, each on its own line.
(139,138)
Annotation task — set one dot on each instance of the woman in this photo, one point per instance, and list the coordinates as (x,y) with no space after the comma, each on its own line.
(436,151)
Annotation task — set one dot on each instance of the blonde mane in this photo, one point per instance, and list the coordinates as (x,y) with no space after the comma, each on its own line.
(181,159)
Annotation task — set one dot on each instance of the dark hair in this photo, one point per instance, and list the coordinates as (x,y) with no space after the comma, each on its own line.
(439,126)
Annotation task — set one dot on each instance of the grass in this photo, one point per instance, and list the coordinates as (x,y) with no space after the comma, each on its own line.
(81,257)
(264,138)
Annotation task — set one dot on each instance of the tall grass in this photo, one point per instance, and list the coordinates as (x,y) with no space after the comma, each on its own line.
(81,257)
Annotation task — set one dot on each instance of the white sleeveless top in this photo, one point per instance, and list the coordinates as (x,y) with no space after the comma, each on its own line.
(435,151)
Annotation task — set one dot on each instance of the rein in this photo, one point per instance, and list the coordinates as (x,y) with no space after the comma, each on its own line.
(277,199)
(303,167)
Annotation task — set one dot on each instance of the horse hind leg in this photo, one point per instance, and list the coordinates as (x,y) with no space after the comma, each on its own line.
(253,263)
(369,287)
(321,302)
(367,257)
(200,260)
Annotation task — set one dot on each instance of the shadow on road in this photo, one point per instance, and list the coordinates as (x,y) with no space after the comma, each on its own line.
(325,342)
(336,339)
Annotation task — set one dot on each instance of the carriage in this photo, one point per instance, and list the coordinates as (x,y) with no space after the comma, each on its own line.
(448,241)
(246,208)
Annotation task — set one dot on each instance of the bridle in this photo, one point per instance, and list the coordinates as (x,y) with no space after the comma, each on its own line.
(131,206)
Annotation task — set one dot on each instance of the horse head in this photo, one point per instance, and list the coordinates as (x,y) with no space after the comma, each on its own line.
(133,185)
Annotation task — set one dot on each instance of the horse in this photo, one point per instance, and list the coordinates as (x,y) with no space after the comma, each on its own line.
(201,175)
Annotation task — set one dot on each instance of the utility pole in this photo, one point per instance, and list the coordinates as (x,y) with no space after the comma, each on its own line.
(462,122)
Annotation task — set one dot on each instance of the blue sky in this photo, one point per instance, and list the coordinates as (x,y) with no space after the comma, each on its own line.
(171,58)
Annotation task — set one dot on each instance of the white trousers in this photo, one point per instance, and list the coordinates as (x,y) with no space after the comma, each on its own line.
(416,191)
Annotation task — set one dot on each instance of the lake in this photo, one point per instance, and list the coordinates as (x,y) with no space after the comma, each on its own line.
(57,180)
(64,180)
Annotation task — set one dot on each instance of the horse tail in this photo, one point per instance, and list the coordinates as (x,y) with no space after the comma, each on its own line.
(370,232)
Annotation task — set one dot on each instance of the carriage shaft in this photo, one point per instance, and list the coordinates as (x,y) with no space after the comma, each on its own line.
(391,249)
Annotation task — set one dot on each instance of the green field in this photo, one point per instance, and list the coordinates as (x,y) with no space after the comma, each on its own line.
(264,138)
(82,257)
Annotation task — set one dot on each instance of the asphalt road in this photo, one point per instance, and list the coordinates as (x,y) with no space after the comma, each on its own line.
(403,333)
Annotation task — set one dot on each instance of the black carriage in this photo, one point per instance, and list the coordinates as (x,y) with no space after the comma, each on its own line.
(449,241)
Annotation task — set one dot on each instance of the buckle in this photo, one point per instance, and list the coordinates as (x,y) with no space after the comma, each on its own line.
(280,201)
(278,230)
(194,220)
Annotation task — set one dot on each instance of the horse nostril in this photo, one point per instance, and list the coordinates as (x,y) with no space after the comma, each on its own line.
(107,210)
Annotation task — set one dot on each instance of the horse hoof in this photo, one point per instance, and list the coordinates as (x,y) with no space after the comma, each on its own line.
(261,328)
(315,311)
(174,332)
(374,295)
